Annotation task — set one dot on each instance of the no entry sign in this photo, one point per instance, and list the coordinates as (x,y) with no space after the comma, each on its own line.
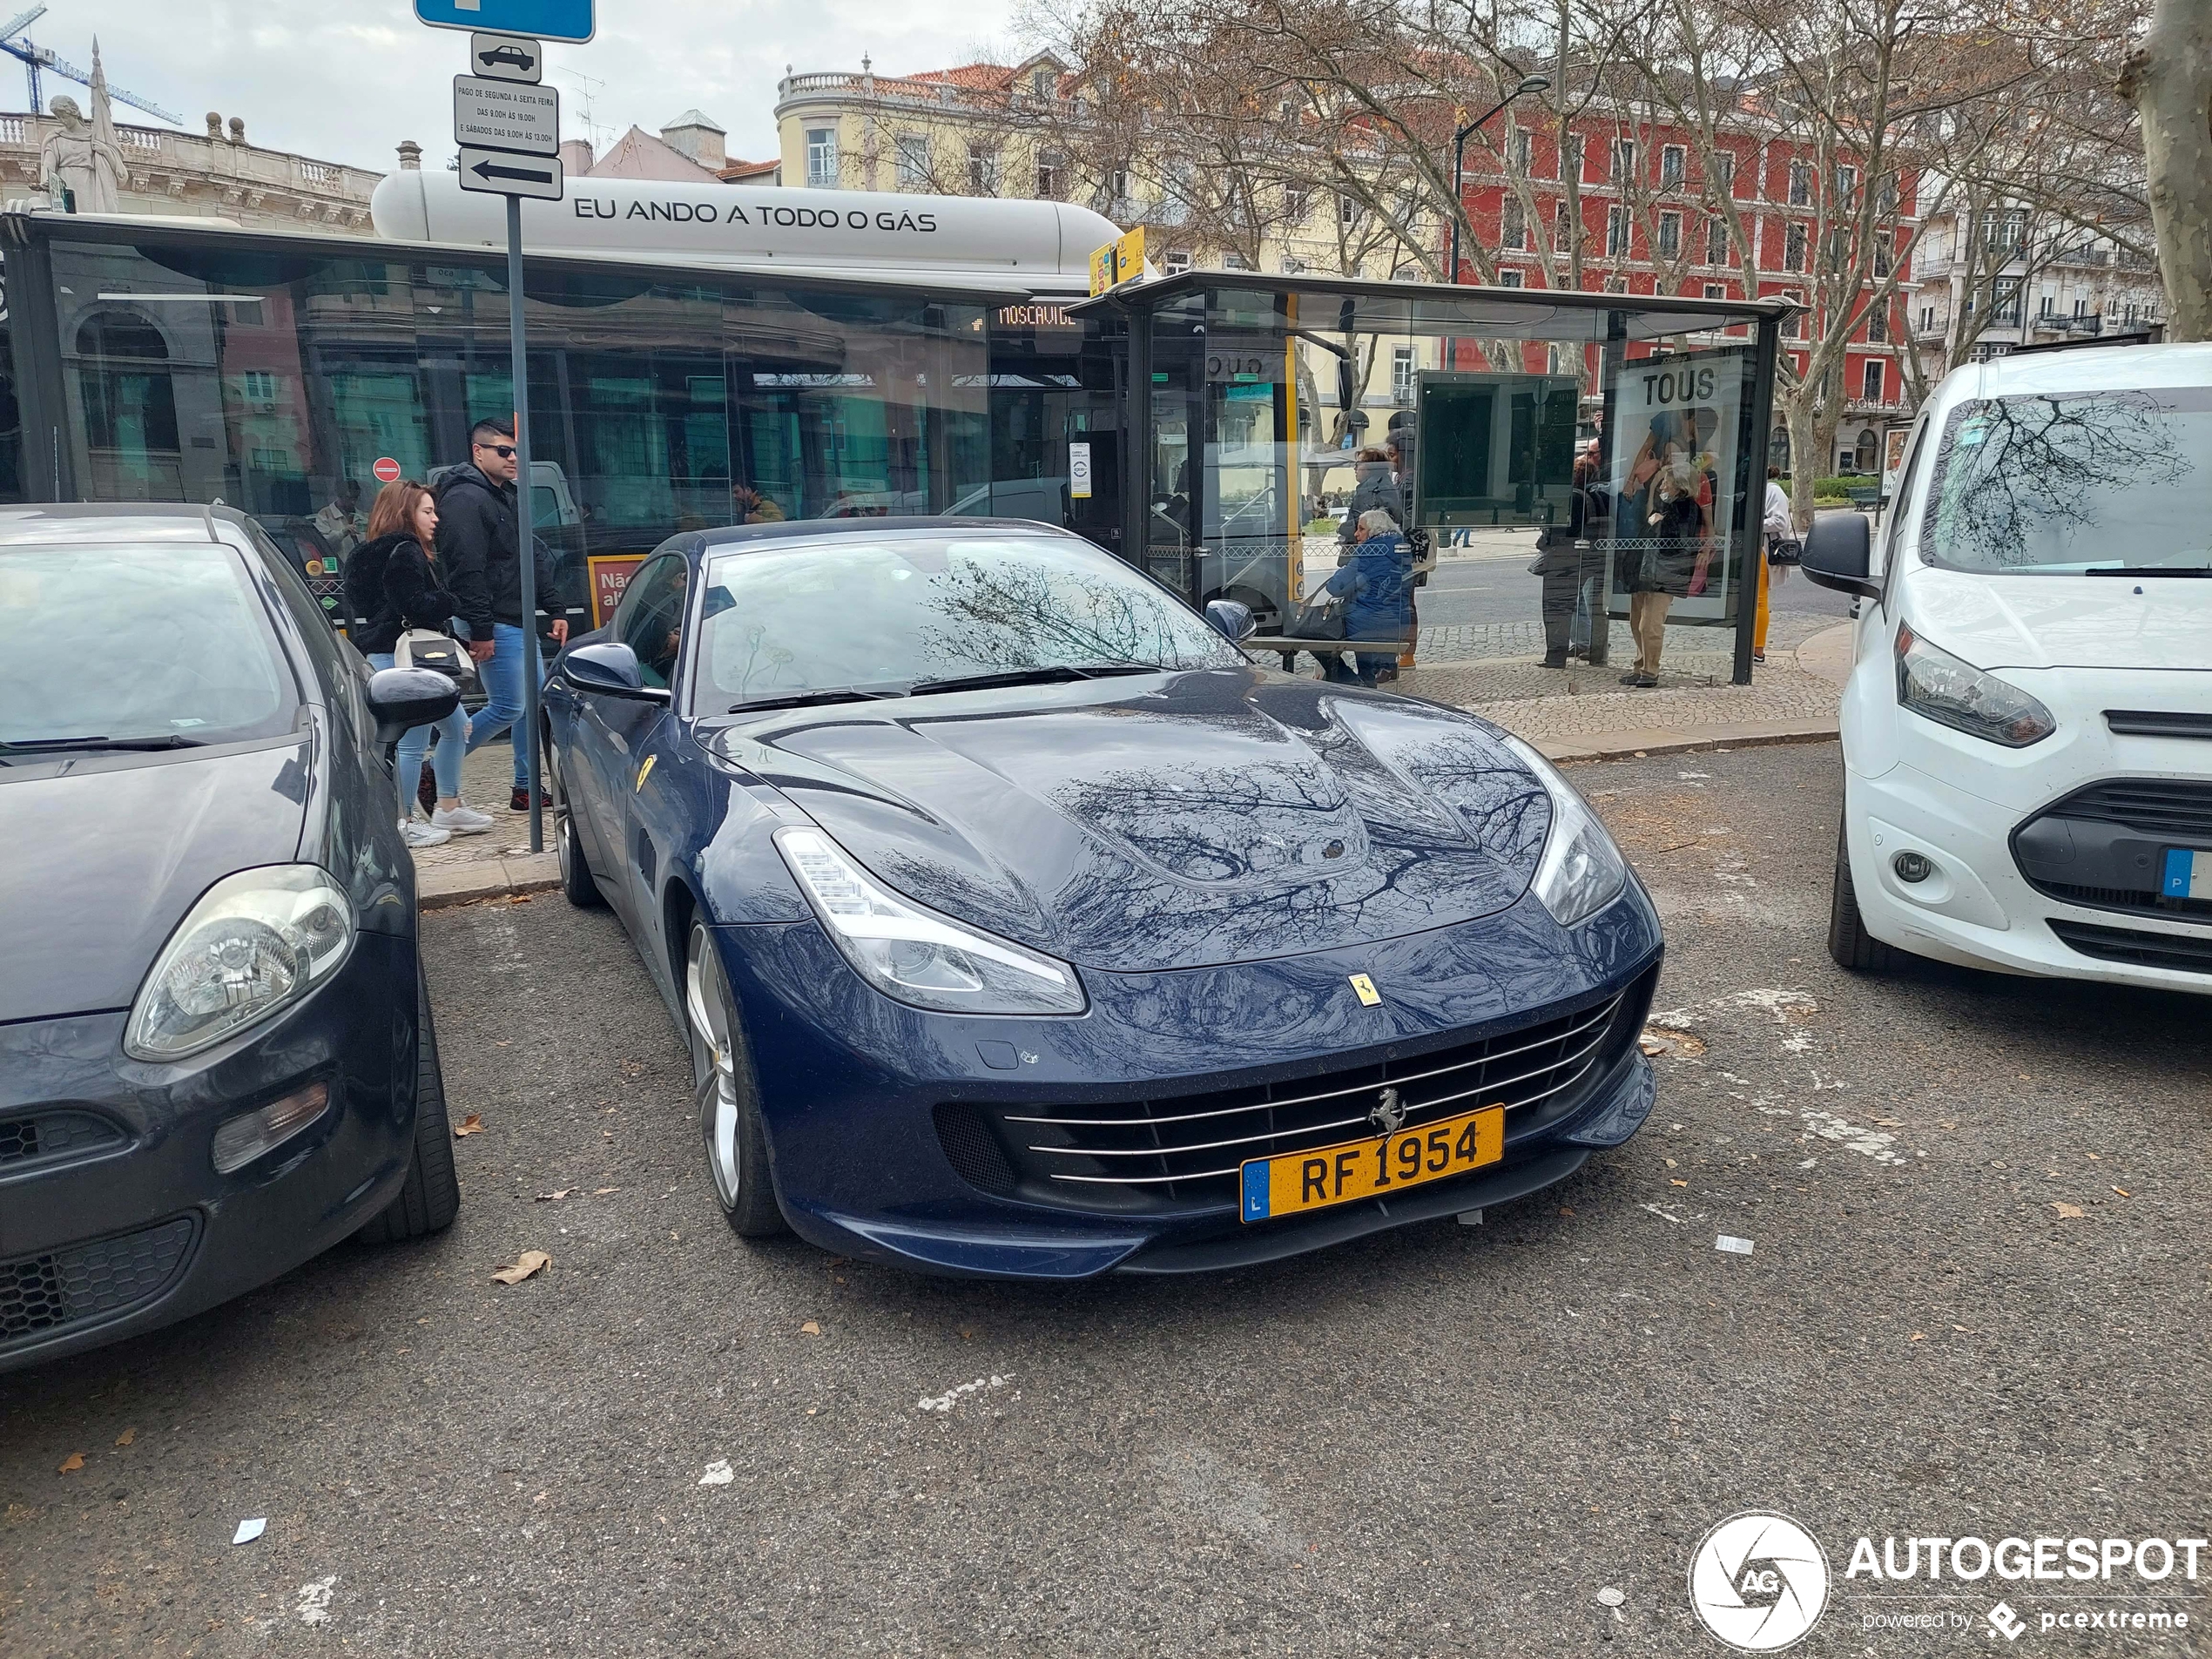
(386,470)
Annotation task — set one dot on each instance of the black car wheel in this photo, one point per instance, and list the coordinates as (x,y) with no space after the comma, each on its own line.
(737,1146)
(576,884)
(1848,941)
(427,1203)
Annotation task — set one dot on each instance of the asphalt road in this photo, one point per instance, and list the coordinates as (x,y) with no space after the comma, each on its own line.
(1490,582)
(1449,1439)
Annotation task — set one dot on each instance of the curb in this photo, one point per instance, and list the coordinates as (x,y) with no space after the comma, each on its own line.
(1638,744)
(441,887)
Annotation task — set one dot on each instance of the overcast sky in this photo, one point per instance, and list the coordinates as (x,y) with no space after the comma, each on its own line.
(346,80)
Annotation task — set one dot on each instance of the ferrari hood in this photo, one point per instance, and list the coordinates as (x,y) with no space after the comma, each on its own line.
(1177,821)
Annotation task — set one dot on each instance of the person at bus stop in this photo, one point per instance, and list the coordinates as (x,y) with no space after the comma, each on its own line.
(753,507)
(1377,587)
(1564,552)
(1776,528)
(1595,505)
(479,539)
(1666,524)
(340,521)
(1376,487)
(392,585)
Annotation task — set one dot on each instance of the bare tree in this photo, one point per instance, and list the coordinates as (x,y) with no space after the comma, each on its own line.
(2168,79)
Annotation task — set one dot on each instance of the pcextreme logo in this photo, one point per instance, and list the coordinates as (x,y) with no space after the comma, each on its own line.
(1758,1582)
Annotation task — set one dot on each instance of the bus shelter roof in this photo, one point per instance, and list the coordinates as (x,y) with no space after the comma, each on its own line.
(1358,305)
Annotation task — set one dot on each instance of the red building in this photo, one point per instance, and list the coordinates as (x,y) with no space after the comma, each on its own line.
(1646,228)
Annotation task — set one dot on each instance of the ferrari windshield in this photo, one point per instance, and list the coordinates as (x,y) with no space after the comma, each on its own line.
(891,614)
(2069,486)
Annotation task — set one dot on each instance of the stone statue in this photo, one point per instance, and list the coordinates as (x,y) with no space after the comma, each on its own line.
(81,166)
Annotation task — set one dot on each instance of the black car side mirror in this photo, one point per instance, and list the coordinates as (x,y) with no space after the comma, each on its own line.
(402,699)
(608,670)
(1232,619)
(1838,553)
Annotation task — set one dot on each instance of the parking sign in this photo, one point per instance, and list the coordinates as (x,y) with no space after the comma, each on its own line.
(570,20)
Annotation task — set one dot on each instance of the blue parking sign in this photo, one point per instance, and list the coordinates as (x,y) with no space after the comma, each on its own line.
(547,19)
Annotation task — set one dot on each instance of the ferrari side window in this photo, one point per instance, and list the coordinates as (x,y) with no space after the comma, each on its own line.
(651,621)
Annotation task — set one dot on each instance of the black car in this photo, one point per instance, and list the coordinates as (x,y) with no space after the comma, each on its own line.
(515,57)
(216,1056)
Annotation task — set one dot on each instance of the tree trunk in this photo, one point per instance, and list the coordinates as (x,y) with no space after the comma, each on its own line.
(2168,79)
(1797,414)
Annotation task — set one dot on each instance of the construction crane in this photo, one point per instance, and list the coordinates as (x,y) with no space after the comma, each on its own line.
(35,59)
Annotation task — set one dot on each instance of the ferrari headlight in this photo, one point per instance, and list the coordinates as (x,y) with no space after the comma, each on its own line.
(257,942)
(1952,692)
(1581,871)
(916,955)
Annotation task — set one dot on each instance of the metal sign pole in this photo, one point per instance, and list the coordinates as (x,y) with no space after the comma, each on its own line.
(525,535)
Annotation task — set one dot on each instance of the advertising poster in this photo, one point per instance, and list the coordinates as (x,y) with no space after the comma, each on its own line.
(610,574)
(1676,482)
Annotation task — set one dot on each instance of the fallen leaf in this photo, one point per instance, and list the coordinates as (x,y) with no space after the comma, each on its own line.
(127,1437)
(1677,1183)
(2092,1157)
(530,1262)
(2068,1212)
(810,1329)
(1564,1210)
(559,1193)
(1918,1336)
(72,1464)
(601,1192)
(1672,1164)
(1964,1329)
(2123,1192)
(472,1124)
(811,1410)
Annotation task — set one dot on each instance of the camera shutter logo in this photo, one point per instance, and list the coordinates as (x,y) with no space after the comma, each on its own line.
(1758,1582)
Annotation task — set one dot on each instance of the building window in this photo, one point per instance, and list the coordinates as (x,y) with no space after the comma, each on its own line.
(1509,277)
(1717,241)
(1927,319)
(1877,326)
(1562,229)
(1403,368)
(1846,188)
(1716,290)
(1616,285)
(1052,171)
(1118,186)
(982,170)
(1512,226)
(2050,304)
(1293,266)
(1295,203)
(1523,150)
(1872,385)
(1672,160)
(1041,81)
(1885,196)
(1616,233)
(257,386)
(1793,326)
(912,151)
(1882,258)
(1724,174)
(1793,248)
(1348,214)
(821,158)
(1801,184)
(1234,261)
(1177,261)
(1624,158)
(1670,236)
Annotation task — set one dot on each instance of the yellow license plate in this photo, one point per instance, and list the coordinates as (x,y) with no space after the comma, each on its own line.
(1372,1169)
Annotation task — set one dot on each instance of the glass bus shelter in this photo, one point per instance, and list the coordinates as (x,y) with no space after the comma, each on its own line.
(1627,430)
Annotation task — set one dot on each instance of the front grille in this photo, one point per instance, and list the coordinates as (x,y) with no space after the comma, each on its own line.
(64,1287)
(2177,807)
(53,1135)
(2136,948)
(1139,1155)
(2158,723)
(2145,899)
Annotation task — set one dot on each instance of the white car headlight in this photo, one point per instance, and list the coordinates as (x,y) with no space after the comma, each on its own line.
(916,955)
(1581,871)
(257,942)
(1951,691)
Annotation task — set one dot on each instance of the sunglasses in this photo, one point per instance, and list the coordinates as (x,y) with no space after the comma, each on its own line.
(504,451)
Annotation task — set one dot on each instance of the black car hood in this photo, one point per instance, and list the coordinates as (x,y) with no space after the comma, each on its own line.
(105,856)
(1184,820)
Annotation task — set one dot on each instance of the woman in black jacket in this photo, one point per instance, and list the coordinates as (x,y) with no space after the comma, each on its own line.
(391,586)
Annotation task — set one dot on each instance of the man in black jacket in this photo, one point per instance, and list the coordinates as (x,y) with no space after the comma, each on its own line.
(478,538)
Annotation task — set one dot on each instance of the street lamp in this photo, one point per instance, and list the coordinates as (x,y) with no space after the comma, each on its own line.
(1529,84)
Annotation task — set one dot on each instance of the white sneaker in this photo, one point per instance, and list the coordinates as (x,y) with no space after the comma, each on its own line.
(423,835)
(461,820)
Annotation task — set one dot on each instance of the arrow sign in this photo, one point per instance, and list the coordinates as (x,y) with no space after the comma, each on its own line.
(501,172)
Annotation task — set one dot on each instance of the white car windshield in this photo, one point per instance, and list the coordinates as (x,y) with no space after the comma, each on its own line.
(892,616)
(161,644)
(2100,482)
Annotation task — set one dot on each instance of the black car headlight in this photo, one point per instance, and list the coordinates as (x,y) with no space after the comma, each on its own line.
(1940,687)
(256,942)
(1581,871)
(916,955)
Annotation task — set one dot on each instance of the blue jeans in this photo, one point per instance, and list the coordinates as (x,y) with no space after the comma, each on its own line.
(445,761)
(502,711)
(1588,598)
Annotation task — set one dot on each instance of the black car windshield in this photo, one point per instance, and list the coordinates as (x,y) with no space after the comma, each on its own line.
(2071,485)
(888,613)
(163,641)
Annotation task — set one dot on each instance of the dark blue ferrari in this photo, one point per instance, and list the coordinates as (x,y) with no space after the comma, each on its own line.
(1021,924)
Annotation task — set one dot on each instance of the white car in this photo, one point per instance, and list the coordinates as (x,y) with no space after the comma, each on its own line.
(2028,728)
